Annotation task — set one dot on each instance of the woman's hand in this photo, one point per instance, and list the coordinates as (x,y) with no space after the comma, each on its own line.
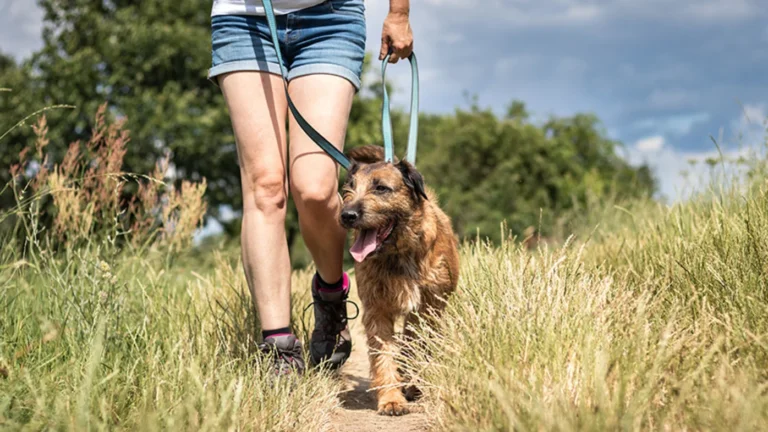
(396,34)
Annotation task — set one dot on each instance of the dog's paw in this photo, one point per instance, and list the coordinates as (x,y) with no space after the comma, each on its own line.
(393,408)
(411,393)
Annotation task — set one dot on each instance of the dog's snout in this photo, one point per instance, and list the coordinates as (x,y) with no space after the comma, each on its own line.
(349,216)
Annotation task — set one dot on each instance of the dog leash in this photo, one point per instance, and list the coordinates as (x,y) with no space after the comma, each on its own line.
(386,122)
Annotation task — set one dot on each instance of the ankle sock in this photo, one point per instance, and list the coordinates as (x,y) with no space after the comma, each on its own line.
(276,332)
(325,286)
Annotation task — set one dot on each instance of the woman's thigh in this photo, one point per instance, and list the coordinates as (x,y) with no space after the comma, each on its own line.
(325,102)
(258,109)
(326,62)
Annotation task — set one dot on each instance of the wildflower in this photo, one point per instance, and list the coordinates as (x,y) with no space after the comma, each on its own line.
(103,266)
(103,297)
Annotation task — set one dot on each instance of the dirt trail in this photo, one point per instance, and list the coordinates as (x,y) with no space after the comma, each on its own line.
(358,406)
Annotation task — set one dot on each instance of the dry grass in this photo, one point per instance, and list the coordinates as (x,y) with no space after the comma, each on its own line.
(106,324)
(658,323)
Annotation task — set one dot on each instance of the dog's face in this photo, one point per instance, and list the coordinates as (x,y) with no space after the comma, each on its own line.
(378,197)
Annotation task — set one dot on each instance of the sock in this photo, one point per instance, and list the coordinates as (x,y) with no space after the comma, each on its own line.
(276,332)
(325,286)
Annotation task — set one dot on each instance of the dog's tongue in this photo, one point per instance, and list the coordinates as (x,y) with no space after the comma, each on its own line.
(366,242)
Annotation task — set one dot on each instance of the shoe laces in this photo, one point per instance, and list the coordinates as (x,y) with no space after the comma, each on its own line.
(335,314)
(284,359)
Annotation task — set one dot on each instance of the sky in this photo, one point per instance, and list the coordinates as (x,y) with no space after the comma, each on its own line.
(663,76)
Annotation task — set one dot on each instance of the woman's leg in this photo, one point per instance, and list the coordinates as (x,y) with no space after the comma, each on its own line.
(258,109)
(325,101)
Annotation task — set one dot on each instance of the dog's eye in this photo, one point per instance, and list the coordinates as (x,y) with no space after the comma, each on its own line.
(351,183)
(383,189)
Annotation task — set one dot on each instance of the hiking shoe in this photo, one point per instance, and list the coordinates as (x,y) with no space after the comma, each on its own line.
(331,342)
(286,352)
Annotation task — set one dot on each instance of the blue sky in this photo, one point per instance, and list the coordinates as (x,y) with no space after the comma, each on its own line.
(662,75)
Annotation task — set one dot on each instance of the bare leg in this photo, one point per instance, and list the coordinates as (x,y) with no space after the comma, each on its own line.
(258,109)
(325,101)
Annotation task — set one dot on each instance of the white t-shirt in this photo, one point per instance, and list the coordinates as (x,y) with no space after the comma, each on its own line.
(255,7)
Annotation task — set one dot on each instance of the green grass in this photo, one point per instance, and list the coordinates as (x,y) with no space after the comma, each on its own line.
(651,318)
(658,323)
(94,339)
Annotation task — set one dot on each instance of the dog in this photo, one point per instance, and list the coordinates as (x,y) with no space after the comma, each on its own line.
(406,260)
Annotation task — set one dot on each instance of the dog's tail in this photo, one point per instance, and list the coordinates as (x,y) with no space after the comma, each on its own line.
(367,154)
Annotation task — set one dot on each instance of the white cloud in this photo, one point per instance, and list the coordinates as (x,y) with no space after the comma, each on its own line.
(683,173)
(650,144)
(671,99)
(21,23)
(676,124)
(555,13)
(723,9)
(696,10)
(753,115)
(451,38)
(521,13)
(749,128)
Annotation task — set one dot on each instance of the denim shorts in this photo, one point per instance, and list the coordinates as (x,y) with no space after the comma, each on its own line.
(328,38)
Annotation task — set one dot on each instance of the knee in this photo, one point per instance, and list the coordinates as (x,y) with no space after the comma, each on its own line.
(265,193)
(316,196)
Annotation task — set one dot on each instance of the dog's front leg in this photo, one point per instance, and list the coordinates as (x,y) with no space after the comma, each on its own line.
(380,330)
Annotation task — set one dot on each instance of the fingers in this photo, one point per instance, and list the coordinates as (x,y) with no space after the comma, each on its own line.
(384,47)
(401,51)
(396,38)
(404,50)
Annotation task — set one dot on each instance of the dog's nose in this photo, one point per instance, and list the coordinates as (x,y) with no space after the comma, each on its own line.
(348,217)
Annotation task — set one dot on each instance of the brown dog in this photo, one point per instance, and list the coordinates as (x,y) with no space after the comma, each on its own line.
(406,254)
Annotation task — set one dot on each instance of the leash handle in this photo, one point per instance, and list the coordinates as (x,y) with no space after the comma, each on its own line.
(386,121)
(313,134)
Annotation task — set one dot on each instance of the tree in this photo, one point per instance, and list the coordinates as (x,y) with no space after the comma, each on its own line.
(487,170)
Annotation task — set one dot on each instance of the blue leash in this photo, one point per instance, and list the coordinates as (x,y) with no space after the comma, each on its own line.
(386,122)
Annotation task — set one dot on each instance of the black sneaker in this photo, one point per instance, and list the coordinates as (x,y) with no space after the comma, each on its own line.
(331,342)
(287,353)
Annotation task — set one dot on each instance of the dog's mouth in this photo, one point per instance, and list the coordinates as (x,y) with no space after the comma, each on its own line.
(369,241)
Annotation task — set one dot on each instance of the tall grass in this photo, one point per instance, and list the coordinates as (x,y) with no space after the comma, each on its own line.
(659,322)
(653,317)
(105,321)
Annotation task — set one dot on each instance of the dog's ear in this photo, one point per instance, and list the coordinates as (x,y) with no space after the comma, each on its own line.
(366,154)
(353,168)
(413,180)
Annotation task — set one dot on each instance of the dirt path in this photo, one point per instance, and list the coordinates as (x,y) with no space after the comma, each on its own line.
(358,406)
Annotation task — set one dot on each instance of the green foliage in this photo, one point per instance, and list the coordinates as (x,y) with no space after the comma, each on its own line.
(488,169)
